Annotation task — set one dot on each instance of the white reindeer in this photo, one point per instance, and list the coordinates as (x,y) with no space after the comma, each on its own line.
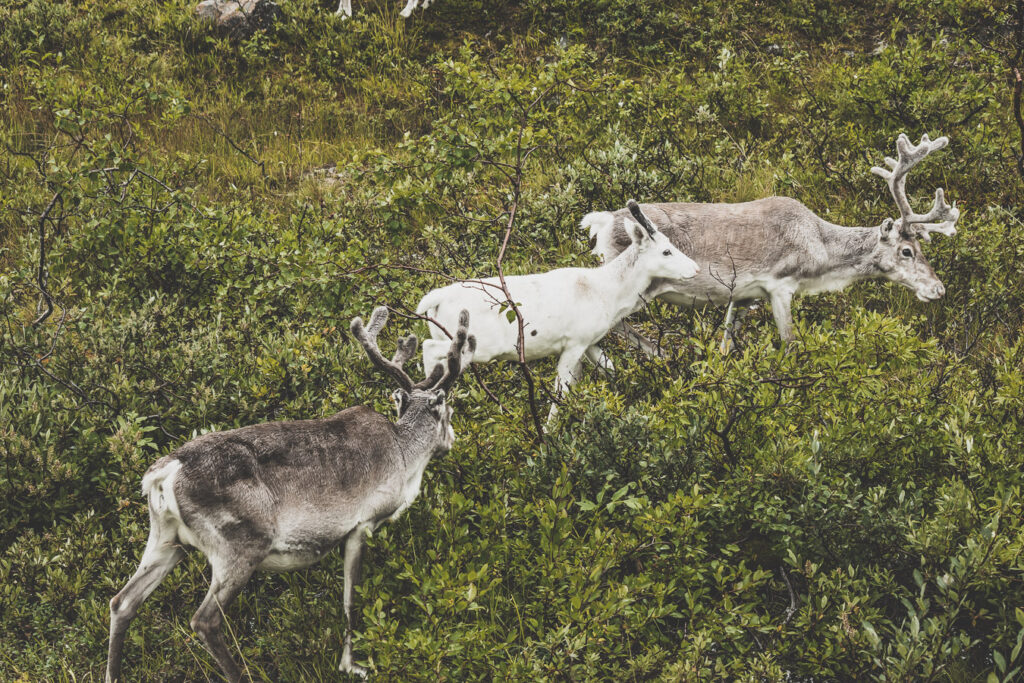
(777,247)
(345,8)
(565,311)
(279,496)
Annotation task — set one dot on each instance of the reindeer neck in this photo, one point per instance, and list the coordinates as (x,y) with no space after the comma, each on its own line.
(851,251)
(624,281)
(416,431)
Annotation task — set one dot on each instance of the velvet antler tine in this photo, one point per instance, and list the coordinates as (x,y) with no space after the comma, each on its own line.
(432,379)
(460,353)
(378,319)
(367,336)
(406,349)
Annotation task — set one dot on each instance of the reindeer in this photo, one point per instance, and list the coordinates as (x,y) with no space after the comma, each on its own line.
(777,247)
(565,311)
(279,496)
(345,8)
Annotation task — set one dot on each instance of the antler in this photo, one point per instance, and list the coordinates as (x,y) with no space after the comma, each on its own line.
(459,356)
(942,217)
(640,217)
(368,338)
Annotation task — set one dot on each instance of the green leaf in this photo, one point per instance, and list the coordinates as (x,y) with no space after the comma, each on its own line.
(871,633)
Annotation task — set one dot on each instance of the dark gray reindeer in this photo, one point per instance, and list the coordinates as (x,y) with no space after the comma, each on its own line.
(777,247)
(279,496)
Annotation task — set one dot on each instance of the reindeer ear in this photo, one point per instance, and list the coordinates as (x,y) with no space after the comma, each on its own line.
(637,233)
(438,398)
(885,231)
(401,400)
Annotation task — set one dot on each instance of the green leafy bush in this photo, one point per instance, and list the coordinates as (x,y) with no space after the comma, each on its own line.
(847,510)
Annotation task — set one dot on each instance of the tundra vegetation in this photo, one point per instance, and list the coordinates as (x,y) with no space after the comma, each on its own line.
(187,224)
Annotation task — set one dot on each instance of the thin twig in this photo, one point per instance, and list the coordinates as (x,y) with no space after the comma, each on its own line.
(220,131)
(791,610)
(521,345)
(41,276)
(1017,116)
(1015,66)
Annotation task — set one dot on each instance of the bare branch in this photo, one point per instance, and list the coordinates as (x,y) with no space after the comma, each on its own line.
(220,131)
(793,603)
(41,275)
(1017,116)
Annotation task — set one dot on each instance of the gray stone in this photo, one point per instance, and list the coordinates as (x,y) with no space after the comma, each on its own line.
(239,19)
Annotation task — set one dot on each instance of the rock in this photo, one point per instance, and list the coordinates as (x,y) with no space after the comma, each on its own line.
(209,10)
(327,175)
(239,19)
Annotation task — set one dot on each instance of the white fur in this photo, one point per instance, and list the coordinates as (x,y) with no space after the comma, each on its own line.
(599,226)
(158,487)
(832,282)
(345,8)
(565,311)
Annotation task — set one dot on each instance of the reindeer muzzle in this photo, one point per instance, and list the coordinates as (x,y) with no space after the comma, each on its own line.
(932,293)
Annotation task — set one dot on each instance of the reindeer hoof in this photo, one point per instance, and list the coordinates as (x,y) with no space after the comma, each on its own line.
(348,667)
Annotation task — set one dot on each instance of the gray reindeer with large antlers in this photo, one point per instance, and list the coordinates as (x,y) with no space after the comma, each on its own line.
(777,247)
(279,496)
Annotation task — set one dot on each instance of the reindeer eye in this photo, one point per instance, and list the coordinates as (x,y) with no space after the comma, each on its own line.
(667,252)
(908,252)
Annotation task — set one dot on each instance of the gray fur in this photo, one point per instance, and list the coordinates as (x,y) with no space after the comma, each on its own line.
(776,247)
(280,495)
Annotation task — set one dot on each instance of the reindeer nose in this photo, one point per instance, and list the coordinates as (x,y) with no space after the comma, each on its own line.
(940,290)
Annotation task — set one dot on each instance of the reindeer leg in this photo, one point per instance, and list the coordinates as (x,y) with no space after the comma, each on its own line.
(409,7)
(344,9)
(353,557)
(159,558)
(782,301)
(228,577)
(636,340)
(570,366)
(727,337)
(353,566)
(733,318)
